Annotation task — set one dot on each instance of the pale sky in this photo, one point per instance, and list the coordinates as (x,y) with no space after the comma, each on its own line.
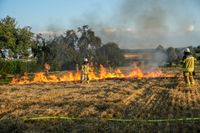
(130,23)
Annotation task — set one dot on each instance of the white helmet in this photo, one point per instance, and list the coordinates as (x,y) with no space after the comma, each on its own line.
(187,50)
(85,60)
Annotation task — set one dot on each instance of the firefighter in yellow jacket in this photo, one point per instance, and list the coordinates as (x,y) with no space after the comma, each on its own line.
(85,69)
(188,67)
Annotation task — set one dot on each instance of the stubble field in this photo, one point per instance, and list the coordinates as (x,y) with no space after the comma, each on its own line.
(114,105)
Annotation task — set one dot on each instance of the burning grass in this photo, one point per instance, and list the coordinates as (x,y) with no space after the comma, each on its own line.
(137,99)
(136,72)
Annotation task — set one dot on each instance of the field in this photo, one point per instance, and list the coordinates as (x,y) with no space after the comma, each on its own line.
(113,105)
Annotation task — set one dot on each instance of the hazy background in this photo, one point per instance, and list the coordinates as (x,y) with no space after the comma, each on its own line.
(130,23)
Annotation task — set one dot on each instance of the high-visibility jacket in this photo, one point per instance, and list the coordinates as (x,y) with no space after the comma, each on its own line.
(85,68)
(188,64)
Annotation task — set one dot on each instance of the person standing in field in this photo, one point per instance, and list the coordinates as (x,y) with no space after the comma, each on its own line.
(188,67)
(47,68)
(85,68)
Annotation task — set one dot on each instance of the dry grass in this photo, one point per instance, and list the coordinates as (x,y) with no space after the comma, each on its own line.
(128,99)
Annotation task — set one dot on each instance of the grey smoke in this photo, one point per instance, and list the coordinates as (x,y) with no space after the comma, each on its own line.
(149,23)
(146,21)
(143,23)
(149,20)
(159,58)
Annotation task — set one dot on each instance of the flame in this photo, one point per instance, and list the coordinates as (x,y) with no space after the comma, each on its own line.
(136,73)
(40,77)
(92,75)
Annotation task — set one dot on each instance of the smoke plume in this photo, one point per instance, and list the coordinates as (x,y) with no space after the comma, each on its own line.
(145,23)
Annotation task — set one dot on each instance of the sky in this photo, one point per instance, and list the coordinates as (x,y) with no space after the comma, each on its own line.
(132,24)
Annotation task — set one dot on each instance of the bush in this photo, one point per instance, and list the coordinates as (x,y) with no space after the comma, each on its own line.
(17,66)
(110,55)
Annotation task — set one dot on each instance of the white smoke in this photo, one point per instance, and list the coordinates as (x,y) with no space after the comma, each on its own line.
(191,28)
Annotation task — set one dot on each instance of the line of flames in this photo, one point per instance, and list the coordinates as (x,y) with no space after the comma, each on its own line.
(40,77)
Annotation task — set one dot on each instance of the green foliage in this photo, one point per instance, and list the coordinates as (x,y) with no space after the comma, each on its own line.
(88,42)
(65,51)
(62,56)
(197,49)
(17,66)
(61,52)
(24,41)
(7,33)
(110,55)
(17,40)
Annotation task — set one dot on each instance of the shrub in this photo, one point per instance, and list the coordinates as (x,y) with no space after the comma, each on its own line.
(17,66)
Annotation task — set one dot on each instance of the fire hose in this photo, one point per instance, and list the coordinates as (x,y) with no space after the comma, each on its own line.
(112,119)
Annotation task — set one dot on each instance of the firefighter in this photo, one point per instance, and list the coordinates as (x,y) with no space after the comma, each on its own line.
(188,67)
(47,68)
(85,68)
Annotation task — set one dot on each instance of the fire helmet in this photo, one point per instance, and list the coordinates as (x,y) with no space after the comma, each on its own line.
(85,60)
(187,50)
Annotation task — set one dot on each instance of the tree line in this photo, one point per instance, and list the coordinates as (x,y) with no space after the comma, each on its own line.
(66,50)
(62,51)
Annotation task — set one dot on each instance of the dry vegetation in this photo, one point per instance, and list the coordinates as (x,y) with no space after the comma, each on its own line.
(127,99)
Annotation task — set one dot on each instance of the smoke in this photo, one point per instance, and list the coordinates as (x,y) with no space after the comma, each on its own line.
(141,24)
(51,31)
(191,28)
(152,23)
(135,24)
(159,58)
(147,23)
(54,29)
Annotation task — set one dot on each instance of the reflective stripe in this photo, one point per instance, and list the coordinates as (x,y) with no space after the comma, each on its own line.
(112,119)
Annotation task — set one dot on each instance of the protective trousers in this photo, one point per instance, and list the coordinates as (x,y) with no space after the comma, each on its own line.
(188,76)
(84,77)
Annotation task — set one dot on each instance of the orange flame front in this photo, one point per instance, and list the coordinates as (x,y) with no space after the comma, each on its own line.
(40,77)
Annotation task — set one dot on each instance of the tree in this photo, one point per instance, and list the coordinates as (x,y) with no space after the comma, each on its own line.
(56,51)
(17,40)
(63,55)
(88,42)
(65,51)
(160,48)
(71,38)
(8,34)
(41,49)
(24,41)
(110,55)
